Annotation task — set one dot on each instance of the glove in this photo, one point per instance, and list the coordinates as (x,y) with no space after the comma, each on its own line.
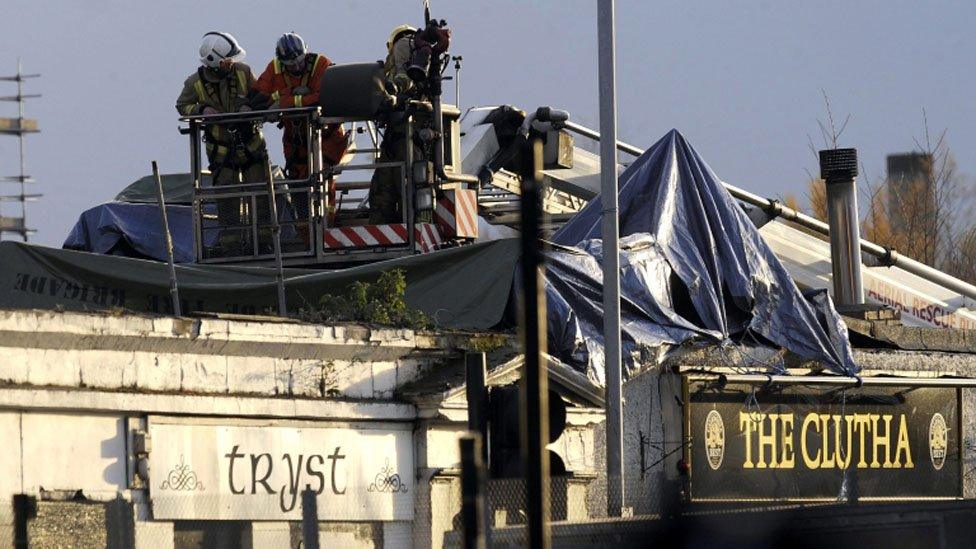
(301,90)
(210,110)
(274,106)
(402,82)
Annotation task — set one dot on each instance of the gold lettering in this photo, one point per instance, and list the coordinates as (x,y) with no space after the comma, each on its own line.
(863,424)
(880,441)
(767,439)
(810,462)
(827,461)
(788,459)
(844,451)
(903,446)
(747,425)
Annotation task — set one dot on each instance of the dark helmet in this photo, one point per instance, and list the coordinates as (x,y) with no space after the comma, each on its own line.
(290,47)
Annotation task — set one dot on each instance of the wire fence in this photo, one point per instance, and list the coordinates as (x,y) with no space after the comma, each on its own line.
(6,524)
(431,517)
(577,514)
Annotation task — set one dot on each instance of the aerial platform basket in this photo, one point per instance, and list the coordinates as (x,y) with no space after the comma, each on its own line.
(232,223)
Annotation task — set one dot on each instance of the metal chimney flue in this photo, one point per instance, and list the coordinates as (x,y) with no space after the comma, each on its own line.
(838,168)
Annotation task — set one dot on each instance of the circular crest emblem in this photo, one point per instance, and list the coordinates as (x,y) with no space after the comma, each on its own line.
(938,440)
(714,439)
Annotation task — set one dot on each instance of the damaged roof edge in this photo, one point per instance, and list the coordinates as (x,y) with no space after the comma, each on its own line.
(449,383)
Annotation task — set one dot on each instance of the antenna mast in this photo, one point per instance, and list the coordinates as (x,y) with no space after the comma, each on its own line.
(19,126)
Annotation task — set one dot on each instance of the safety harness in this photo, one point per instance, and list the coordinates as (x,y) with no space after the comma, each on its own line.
(222,140)
(298,144)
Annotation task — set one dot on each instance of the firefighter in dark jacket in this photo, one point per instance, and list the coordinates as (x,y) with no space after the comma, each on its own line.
(236,152)
(385,187)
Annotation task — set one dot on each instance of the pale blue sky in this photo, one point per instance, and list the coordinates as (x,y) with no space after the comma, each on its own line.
(741,80)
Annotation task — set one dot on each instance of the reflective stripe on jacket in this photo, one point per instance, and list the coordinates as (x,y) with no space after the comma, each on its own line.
(278,83)
(228,94)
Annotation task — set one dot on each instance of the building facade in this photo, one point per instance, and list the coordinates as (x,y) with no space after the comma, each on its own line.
(174,432)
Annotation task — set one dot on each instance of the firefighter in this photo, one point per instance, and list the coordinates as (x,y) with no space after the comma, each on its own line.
(384,188)
(236,152)
(292,79)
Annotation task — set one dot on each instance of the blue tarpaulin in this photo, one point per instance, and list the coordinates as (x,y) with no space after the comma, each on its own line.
(133,230)
(131,227)
(692,264)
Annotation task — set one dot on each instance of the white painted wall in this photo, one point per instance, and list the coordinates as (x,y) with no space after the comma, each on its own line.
(11,474)
(74,452)
(62,452)
(210,356)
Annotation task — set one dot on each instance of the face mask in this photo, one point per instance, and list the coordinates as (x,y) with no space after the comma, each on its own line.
(296,68)
(223,69)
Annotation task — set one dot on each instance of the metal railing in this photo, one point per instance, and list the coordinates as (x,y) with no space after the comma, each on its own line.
(232,222)
(775,208)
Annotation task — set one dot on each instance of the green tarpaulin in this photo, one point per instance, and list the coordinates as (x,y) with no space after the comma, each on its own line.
(177,189)
(459,288)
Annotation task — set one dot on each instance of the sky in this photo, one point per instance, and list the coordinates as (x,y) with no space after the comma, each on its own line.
(743,81)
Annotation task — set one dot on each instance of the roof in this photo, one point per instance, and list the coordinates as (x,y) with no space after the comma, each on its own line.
(447,382)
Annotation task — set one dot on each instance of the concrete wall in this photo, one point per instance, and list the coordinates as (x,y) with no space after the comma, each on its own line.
(72,385)
(209,356)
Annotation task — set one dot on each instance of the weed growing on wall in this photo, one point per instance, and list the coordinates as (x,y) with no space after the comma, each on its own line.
(382,302)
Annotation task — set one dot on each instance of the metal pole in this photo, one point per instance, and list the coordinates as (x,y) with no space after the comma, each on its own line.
(838,168)
(276,238)
(457,80)
(174,292)
(25,508)
(310,520)
(595,135)
(611,258)
(321,207)
(477,397)
(776,208)
(23,163)
(476,374)
(196,171)
(472,491)
(535,392)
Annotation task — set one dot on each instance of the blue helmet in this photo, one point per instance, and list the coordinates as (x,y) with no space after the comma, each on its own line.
(290,47)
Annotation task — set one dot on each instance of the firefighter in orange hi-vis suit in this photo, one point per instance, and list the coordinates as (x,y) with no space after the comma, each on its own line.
(292,79)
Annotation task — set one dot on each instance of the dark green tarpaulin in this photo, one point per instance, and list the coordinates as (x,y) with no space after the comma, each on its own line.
(177,189)
(459,288)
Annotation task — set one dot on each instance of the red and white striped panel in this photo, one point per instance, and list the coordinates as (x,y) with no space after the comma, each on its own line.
(427,236)
(457,213)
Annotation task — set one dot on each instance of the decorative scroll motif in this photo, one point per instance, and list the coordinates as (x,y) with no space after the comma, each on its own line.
(181,478)
(938,441)
(387,480)
(714,439)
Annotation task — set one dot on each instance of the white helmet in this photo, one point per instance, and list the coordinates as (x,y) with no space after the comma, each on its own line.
(218,46)
(398,32)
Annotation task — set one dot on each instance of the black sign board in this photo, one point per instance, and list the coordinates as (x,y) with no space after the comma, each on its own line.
(807,443)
